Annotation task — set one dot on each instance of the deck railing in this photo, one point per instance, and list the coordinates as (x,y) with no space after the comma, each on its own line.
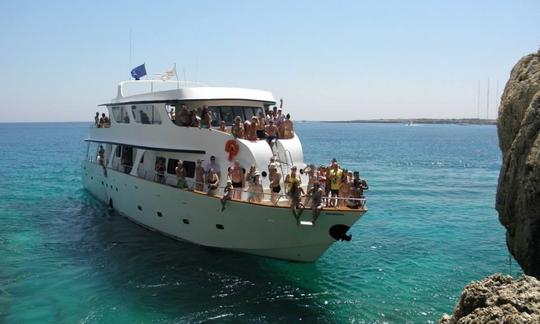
(262,198)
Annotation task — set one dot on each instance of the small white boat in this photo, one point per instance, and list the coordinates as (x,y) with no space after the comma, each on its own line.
(120,170)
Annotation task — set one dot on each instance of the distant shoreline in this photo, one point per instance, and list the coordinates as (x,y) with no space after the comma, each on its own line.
(457,121)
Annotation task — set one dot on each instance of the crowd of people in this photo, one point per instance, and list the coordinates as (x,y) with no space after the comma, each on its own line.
(101,122)
(271,124)
(328,186)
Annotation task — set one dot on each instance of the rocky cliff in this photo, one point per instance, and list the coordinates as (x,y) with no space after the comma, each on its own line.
(518,193)
(498,299)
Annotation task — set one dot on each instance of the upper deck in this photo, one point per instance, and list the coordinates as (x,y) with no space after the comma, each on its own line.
(187,91)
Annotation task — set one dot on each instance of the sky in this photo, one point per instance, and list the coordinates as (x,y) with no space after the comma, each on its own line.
(328,60)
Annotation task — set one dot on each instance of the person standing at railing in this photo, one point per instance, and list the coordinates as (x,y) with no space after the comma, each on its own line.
(236,174)
(275,186)
(316,194)
(206,120)
(346,184)
(96,119)
(294,191)
(213,164)
(181,175)
(250,180)
(261,123)
(199,176)
(213,182)
(334,176)
(237,129)
(160,171)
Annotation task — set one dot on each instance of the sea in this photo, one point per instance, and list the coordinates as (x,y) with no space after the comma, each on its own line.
(431,228)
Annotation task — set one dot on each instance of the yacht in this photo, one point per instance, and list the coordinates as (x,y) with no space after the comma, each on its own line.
(143,131)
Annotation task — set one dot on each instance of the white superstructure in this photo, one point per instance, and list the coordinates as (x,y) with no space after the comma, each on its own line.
(144,130)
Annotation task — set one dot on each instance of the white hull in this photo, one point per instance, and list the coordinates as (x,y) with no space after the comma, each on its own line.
(197,218)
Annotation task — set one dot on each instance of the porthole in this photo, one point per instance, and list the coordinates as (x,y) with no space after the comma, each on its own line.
(139,207)
(186,221)
(264,174)
(159,214)
(219,226)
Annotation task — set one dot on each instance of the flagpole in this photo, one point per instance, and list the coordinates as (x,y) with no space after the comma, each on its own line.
(130,48)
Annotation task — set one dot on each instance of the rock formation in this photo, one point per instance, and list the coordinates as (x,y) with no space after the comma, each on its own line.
(498,299)
(518,193)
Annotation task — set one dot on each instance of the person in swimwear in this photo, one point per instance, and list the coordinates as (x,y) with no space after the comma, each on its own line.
(236,174)
(237,129)
(213,182)
(316,194)
(271,132)
(286,128)
(199,176)
(227,193)
(180,175)
(275,187)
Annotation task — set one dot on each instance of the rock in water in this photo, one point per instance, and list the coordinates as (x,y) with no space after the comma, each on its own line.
(518,192)
(498,299)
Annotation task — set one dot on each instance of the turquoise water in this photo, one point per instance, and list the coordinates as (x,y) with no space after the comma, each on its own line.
(431,228)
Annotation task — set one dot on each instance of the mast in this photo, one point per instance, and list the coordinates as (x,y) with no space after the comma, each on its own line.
(478,101)
(487,101)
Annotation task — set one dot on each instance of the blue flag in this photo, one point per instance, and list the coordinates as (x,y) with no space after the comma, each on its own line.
(138,72)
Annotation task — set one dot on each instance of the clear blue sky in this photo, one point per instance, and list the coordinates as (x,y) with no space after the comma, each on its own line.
(327,59)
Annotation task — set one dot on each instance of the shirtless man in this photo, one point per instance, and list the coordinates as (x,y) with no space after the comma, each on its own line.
(275,187)
(260,126)
(236,174)
(222,127)
(271,132)
(237,130)
(96,119)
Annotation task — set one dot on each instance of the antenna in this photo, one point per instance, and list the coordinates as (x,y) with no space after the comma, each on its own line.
(487,101)
(196,68)
(478,101)
(130,49)
(185,80)
(497,98)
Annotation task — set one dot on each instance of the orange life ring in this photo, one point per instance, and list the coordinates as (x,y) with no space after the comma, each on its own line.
(232,148)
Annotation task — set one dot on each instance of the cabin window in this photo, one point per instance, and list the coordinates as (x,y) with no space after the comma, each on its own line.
(239,111)
(171,166)
(188,165)
(190,168)
(215,114)
(146,114)
(120,114)
(228,113)
(117,152)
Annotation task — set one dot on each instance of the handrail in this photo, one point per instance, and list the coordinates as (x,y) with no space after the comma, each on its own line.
(282,201)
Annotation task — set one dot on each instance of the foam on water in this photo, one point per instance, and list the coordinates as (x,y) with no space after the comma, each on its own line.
(430,229)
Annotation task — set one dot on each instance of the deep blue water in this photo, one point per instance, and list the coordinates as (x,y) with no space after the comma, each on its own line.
(431,228)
